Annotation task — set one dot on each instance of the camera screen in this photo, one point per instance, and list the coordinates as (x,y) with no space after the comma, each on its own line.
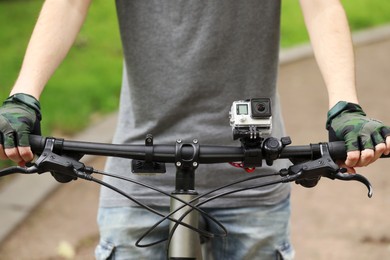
(242,109)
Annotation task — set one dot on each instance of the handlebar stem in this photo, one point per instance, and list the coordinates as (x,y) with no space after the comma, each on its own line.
(186,165)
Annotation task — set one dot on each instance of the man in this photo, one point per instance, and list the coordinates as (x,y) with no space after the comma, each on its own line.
(185,62)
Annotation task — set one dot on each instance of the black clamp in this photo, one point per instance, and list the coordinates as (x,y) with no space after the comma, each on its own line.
(64,168)
(148,166)
(187,159)
(253,157)
(309,173)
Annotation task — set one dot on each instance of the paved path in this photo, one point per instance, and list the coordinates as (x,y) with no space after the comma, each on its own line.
(336,220)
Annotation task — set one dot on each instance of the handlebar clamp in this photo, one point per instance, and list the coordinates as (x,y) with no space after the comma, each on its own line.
(191,162)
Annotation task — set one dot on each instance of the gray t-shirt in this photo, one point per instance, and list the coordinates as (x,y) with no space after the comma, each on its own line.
(185,63)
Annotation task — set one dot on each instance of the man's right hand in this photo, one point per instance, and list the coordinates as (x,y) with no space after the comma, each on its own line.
(20,116)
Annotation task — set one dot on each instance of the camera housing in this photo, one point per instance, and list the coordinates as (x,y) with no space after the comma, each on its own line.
(251,118)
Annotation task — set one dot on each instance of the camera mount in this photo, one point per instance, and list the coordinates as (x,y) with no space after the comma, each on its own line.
(251,119)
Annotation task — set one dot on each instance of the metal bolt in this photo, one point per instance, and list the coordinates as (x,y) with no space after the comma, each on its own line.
(178,164)
(178,141)
(195,164)
(195,141)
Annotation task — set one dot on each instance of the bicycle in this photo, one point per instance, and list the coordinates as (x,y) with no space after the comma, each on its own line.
(309,163)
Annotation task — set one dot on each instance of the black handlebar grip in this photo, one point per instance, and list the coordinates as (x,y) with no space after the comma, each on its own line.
(37,143)
(337,150)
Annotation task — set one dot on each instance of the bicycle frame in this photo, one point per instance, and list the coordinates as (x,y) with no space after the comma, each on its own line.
(185,243)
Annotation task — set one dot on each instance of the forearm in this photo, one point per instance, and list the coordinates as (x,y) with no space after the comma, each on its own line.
(331,40)
(55,31)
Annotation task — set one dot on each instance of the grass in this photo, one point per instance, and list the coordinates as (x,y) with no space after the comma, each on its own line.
(87,84)
(361,14)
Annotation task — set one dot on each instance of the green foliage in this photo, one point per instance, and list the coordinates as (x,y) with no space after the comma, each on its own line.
(86,85)
(367,13)
(361,14)
(16,21)
(293,30)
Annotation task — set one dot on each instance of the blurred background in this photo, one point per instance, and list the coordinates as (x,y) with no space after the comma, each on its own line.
(333,221)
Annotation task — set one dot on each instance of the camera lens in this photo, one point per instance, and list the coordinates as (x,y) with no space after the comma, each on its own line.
(261,107)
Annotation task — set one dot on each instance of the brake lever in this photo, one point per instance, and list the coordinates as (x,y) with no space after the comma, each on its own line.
(354,177)
(309,173)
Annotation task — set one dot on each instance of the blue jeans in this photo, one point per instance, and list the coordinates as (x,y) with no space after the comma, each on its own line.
(253,233)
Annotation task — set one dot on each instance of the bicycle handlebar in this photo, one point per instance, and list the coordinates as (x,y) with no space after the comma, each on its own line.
(310,162)
(166,153)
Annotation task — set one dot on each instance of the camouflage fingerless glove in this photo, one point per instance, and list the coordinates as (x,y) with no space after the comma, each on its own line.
(348,122)
(20,116)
